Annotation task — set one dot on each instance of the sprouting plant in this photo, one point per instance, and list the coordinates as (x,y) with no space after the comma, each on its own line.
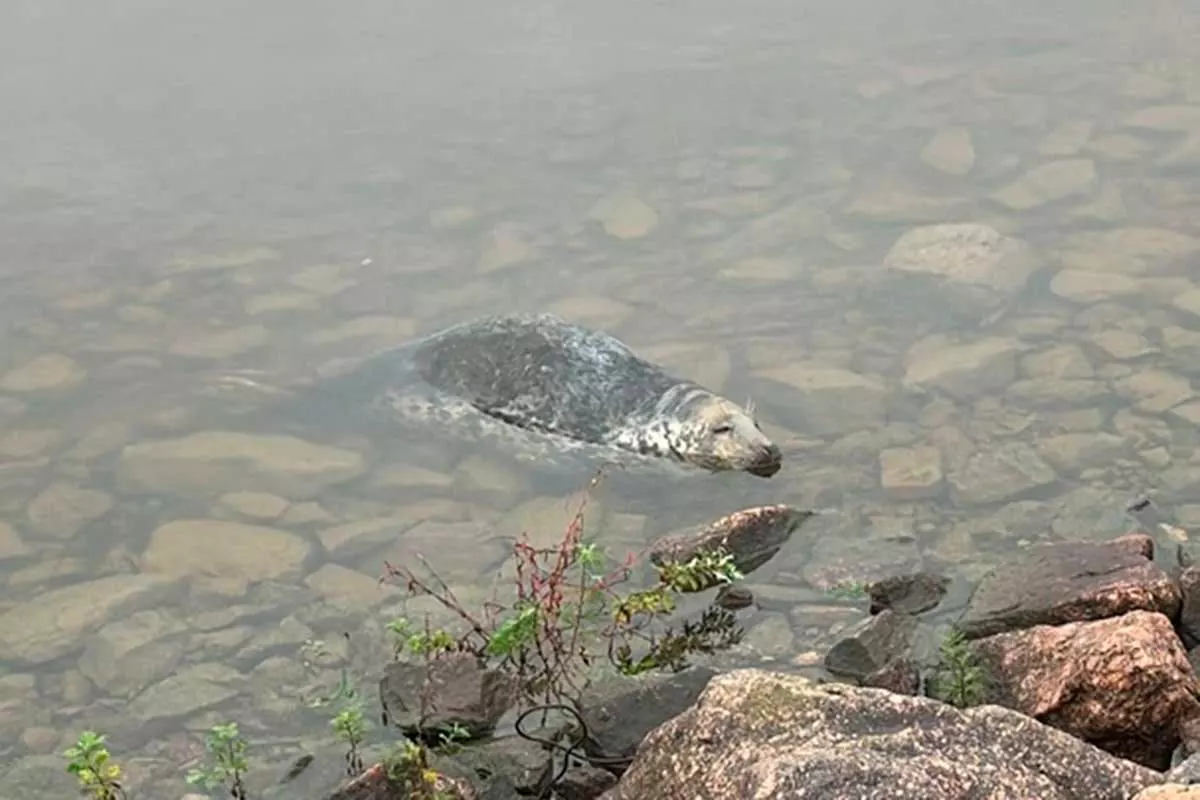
(568,611)
(227,762)
(89,761)
(451,737)
(408,765)
(849,589)
(960,678)
(350,727)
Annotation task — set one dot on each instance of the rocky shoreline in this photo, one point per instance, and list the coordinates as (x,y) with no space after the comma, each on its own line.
(1085,654)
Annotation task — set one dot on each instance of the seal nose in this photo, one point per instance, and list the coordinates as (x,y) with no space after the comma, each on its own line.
(769,464)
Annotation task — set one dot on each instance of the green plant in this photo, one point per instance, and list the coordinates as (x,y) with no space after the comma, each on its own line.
(960,677)
(98,775)
(350,727)
(568,612)
(849,589)
(228,762)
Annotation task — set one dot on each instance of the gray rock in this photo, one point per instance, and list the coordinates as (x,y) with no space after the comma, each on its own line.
(619,713)
(213,462)
(465,693)
(57,622)
(754,733)
(1002,472)
(1070,582)
(129,654)
(970,264)
(877,642)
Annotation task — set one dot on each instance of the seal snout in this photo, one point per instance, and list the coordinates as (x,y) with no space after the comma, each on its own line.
(768,463)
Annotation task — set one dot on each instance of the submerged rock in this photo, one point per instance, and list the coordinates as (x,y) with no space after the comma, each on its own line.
(212,462)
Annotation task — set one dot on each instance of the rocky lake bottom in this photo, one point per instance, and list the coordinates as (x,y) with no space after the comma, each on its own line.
(972,329)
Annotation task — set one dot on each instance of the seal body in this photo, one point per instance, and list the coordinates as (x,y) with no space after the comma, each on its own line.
(548,385)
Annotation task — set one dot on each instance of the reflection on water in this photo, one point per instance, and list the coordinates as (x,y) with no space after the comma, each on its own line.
(202,210)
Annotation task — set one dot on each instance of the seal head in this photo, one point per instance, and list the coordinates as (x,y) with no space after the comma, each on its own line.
(694,426)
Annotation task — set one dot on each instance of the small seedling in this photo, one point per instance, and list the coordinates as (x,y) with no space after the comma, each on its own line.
(408,766)
(228,763)
(849,590)
(89,761)
(350,727)
(960,678)
(451,737)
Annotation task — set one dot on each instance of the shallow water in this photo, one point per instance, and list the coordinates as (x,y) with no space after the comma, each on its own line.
(204,208)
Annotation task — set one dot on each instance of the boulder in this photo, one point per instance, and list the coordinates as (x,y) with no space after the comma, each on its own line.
(453,689)
(1123,683)
(752,537)
(1070,582)
(759,734)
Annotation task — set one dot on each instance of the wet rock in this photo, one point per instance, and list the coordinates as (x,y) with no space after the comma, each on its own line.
(53,371)
(189,691)
(620,712)
(875,643)
(1189,614)
(1070,582)
(1063,361)
(752,536)
(961,370)
(625,216)
(754,733)
(828,400)
(61,510)
(584,782)
(1188,302)
(505,246)
(1071,453)
(212,462)
(850,549)
(1087,287)
(11,544)
(219,345)
(55,623)
(525,766)
(127,655)
(1129,251)
(1000,472)
(907,474)
(1053,393)
(972,265)
(1165,118)
(1048,183)
(221,549)
(908,594)
(1067,138)
(771,636)
(255,505)
(1123,345)
(733,597)
(950,151)
(349,589)
(1153,391)
(467,693)
(1123,684)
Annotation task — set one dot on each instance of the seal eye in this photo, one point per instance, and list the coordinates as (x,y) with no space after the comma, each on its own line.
(723,429)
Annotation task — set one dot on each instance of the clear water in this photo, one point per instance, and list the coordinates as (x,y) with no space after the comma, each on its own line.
(199,201)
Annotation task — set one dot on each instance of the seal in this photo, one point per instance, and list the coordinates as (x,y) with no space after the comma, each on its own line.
(547,386)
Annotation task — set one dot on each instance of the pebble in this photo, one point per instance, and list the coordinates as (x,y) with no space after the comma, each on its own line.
(53,371)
